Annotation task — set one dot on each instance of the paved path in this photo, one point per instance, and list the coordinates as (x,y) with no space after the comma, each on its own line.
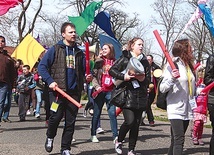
(27,138)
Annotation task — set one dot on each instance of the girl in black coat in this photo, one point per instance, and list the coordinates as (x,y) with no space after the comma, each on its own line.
(137,85)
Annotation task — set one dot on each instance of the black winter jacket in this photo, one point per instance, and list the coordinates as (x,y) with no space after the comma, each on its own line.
(209,77)
(139,95)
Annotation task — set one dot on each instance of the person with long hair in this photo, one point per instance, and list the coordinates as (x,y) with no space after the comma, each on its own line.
(103,85)
(137,85)
(180,93)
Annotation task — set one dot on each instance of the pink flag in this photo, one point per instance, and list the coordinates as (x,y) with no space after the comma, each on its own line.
(5,5)
(197,14)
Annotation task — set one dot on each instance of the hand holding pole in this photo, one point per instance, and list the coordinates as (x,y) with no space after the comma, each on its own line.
(68,97)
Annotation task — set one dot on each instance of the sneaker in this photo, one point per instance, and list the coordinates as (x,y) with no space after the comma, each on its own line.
(22,119)
(99,130)
(91,112)
(133,153)
(152,124)
(195,141)
(49,144)
(7,120)
(200,142)
(94,139)
(115,140)
(118,148)
(34,112)
(65,152)
(37,115)
(84,113)
(28,112)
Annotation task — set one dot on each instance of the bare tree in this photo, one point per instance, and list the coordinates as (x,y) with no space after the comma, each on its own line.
(12,24)
(168,20)
(171,19)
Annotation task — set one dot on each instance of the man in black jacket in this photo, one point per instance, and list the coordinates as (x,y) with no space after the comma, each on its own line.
(209,78)
(63,66)
(152,91)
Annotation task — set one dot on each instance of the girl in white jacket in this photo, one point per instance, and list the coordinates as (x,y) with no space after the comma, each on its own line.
(180,93)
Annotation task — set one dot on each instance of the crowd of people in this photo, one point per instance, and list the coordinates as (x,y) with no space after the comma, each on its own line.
(64,66)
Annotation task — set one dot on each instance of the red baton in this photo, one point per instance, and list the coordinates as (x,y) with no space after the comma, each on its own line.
(207,88)
(87,58)
(166,53)
(68,97)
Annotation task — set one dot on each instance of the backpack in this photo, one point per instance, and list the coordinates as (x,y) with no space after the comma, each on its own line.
(160,98)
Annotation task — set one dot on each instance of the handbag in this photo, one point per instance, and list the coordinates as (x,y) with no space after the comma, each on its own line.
(118,96)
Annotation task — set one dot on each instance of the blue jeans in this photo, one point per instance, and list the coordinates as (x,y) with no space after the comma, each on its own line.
(3,95)
(104,97)
(39,100)
(7,104)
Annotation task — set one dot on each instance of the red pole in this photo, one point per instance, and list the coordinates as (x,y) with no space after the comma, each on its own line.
(207,88)
(197,65)
(166,53)
(87,58)
(118,111)
(68,97)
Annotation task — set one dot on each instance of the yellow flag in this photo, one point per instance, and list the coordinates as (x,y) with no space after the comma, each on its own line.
(28,51)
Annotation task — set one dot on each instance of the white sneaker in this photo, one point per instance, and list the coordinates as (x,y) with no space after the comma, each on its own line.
(65,152)
(84,113)
(115,140)
(99,130)
(94,139)
(28,112)
(37,115)
(133,153)
(118,148)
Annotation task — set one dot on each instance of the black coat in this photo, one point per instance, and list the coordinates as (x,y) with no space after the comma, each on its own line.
(209,77)
(139,95)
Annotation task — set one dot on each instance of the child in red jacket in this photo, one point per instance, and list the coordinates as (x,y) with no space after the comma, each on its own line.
(200,116)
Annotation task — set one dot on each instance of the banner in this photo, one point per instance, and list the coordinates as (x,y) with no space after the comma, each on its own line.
(28,51)
(5,5)
(86,18)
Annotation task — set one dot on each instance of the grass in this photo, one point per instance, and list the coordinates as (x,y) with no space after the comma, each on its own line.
(165,119)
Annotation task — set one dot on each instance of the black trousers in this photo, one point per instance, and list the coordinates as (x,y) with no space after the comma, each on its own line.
(131,124)
(67,109)
(178,130)
(149,112)
(211,112)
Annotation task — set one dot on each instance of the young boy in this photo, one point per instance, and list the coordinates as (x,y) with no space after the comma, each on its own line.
(25,84)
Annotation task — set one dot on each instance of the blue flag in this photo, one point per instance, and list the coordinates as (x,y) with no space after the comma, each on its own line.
(208,17)
(103,21)
(109,40)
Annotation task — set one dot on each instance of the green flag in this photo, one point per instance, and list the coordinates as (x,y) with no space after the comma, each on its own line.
(86,18)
